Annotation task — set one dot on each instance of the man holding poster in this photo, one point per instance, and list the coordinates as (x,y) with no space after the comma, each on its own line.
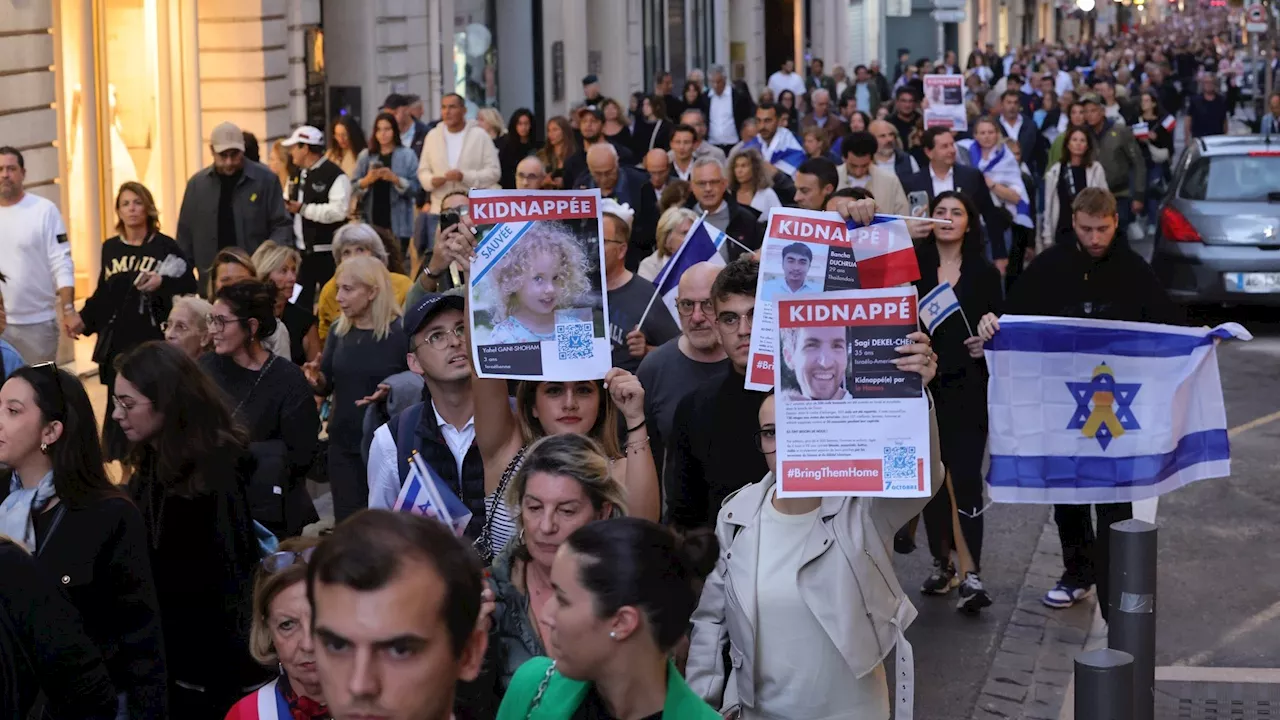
(538,304)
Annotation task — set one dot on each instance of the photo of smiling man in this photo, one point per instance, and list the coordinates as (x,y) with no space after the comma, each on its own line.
(815,360)
(797,259)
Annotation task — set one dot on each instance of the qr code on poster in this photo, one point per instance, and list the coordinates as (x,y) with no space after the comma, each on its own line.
(899,462)
(575,341)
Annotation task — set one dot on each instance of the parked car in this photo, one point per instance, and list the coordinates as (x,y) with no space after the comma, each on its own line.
(1218,237)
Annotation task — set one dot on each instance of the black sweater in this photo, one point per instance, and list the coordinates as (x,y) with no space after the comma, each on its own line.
(44,647)
(203,555)
(712,451)
(137,315)
(280,409)
(979,293)
(1064,281)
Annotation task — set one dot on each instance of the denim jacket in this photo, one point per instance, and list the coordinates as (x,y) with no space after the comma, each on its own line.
(405,165)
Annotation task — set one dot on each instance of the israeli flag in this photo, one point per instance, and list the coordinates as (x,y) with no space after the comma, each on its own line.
(1002,167)
(940,304)
(1099,411)
(783,151)
(702,244)
(425,493)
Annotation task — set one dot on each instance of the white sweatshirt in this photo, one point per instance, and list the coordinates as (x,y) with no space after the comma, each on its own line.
(35,256)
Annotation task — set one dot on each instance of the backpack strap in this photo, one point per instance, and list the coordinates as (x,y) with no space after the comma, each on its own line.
(407,440)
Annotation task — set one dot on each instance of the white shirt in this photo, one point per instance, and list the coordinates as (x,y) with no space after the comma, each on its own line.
(675,168)
(333,210)
(780,81)
(765,200)
(943,184)
(384,458)
(1012,130)
(800,672)
(406,137)
(35,256)
(858,182)
(1062,83)
(722,128)
(453,145)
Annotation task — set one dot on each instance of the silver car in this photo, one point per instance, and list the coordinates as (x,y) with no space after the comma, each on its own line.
(1218,238)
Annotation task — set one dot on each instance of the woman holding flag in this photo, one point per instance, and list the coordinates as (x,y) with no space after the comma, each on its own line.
(957,283)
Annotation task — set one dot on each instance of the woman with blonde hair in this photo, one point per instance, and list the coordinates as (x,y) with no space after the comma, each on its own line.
(278,264)
(280,635)
(491,121)
(142,269)
(367,346)
(564,484)
(750,184)
(187,327)
(673,226)
(352,240)
(280,163)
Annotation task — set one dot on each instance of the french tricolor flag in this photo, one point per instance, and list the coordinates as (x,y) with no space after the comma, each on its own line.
(884,252)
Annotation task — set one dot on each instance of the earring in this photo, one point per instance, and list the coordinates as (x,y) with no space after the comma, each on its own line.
(613,635)
(44,448)
(520,537)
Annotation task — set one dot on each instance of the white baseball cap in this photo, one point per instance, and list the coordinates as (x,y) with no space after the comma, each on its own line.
(306,135)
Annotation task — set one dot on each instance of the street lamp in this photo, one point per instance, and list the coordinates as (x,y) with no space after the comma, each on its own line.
(1085,5)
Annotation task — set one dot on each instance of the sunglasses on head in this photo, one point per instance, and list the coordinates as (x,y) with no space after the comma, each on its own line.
(277,561)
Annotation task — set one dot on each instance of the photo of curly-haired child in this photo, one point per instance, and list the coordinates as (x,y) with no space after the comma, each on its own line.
(544,280)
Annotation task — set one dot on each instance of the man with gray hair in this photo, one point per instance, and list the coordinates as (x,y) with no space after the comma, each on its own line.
(727,109)
(711,195)
(821,116)
(694,118)
(625,184)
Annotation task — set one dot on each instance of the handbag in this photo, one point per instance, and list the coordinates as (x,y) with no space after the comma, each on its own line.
(542,690)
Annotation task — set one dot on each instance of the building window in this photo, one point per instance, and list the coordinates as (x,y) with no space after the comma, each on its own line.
(653,18)
(475,53)
(702,22)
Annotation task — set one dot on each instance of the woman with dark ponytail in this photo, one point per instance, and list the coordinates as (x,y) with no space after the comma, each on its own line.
(625,590)
(270,398)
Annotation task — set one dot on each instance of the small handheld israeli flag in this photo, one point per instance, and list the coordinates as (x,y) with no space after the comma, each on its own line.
(425,494)
(940,304)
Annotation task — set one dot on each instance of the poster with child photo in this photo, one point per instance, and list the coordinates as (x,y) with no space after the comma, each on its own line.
(538,304)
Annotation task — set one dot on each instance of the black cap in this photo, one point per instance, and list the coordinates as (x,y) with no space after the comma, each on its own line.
(427,307)
(591,109)
(590,80)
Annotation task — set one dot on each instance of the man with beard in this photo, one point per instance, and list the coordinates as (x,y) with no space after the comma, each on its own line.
(818,356)
(674,370)
(396,603)
(36,265)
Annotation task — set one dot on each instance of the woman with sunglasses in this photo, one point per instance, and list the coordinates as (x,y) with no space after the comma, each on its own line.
(272,401)
(83,530)
(280,637)
(188,465)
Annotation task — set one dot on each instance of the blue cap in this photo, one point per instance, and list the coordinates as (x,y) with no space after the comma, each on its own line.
(426,308)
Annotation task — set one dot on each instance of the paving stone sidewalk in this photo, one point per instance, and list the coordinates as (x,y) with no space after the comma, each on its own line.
(1033,666)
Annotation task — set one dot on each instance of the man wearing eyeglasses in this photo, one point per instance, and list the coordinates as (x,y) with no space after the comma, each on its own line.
(676,369)
(710,453)
(441,428)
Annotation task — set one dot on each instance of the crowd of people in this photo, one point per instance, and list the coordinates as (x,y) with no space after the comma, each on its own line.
(308,323)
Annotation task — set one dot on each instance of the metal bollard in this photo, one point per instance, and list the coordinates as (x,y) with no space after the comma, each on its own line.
(1132,628)
(1104,685)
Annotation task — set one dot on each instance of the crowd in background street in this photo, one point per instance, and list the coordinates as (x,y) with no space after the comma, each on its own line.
(307,321)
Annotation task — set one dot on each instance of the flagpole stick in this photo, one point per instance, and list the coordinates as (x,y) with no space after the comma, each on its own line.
(966,319)
(731,239)
(939,221)
(662,275)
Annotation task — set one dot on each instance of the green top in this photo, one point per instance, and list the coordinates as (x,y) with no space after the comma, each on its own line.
(563,696)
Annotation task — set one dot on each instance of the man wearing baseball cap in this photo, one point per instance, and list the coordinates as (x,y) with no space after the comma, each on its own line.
(441,428)
(233,202)
(319,199)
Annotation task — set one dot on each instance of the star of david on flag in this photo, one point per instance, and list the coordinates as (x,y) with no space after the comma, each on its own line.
(1088,411)
(425,493)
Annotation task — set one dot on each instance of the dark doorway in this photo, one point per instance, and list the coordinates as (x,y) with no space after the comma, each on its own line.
(779,41)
